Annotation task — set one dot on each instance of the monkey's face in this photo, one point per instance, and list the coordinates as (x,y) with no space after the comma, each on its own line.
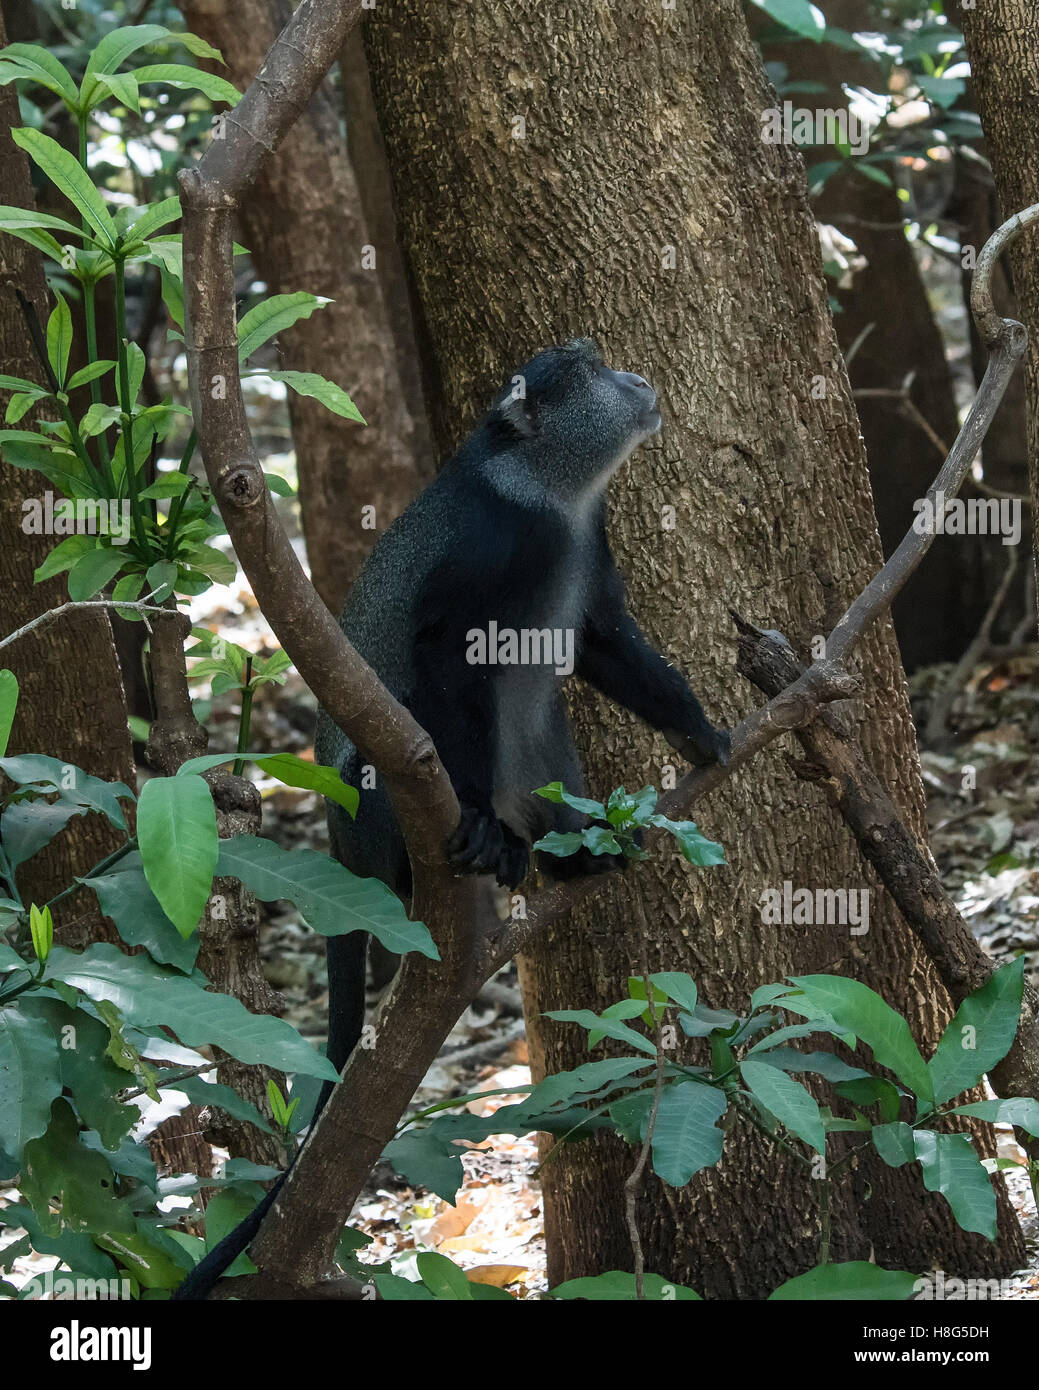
(575,418)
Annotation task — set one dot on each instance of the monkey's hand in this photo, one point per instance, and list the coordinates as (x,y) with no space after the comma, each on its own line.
(703,747)
(483,844)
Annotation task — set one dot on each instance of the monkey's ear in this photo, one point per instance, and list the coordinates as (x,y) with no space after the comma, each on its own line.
(518,414)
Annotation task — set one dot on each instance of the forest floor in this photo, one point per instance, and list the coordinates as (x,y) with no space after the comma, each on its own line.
(983,811)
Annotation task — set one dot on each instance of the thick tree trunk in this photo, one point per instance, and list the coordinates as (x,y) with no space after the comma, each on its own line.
(71,704)
(639,204)
(303,224)
(1003,46)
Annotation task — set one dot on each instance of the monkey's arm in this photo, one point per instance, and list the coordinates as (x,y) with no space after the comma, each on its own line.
(616,658)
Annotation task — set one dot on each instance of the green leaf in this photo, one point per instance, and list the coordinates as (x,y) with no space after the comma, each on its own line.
(618,1286)
(695,846)
(148,996)
(560,843)
(19,219)
(17,383)
(856,1280)
(788,1100)
(856,1007)
(894,1143)
(177,835)
(213,563)
(69,177)
(59,338)
(187,79)
(273,316)
(121,85)
(41,65)
(279,486)
(64,556)
(950,1166)
(443,1278)
(677,986)
(97,418)
(581,1081)
(71,782)
(293,771)
(125,898)
(86,1070)
(427,1160)
(30,1077)
(8,705)
(154,216)
(160,579)
(206,1093)
(331,396)
(686,1137)
(89,373)
(987,1021)
(113,50)
(797,15)
(136,364)
(169,484)
(556,792)
(1016,1110)
(152,1267)
(330,898)
(92,571)
(29,825)
(610,1028)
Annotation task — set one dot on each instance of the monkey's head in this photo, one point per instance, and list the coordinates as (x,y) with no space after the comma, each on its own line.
(574,419)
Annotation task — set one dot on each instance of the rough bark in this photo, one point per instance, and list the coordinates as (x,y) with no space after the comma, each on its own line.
(643,133)
(303,223)
(71,704)
(1002,39)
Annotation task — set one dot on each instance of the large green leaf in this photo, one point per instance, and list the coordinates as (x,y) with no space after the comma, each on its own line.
(126,898)
(121,85)
(29,825)
(8,705)
(330,897)
(605,1027)
(118,44)
(272,316)
(59,338)
(30,1077)
(331,396)
(856,1007)
(154,216)
(950,1166)
(73,784)
(686,1136)
(60,1168)
(980,1034)
(1017,1110)
(14,219)
(187,79)
(149,996)
(788,1100)
(289,768)
(177,836)
(92,571)
(857,1280)
(87,1070)
(41,65)
(69,177)
(200,1092)
(618,1286)
(894,1143)
(797,15)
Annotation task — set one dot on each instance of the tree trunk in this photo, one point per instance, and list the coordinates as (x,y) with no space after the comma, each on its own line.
(639,204)
(71,705)
(303,224)
(1003,46)
(885,313)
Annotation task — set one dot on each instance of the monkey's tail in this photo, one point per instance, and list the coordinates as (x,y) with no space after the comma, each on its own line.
(204,1277)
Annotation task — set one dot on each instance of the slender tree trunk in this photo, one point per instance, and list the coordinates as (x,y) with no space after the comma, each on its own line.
(599,169)
(303,224)
(71,704)
(885,314)
(1003,46)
